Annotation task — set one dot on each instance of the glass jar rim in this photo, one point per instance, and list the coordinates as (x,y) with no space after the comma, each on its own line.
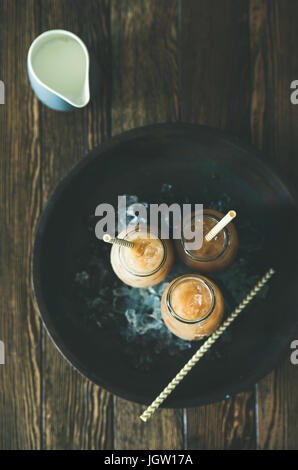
(224,248)
(140,229)
(210,289)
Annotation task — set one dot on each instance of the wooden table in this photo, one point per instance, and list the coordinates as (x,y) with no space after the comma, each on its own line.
(226,63)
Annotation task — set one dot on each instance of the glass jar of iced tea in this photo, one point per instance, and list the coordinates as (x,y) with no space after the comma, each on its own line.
(147,263)
(214,255)
(192,306)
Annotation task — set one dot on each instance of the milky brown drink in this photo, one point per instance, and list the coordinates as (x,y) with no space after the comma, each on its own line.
(147,263)
(192,306)
(146,255)
(214,255)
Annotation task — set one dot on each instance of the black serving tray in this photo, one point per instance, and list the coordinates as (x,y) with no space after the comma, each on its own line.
(104,328)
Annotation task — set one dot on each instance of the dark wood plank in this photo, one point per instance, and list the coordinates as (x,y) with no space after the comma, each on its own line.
(20,377)
(229,424)
(145,63)
(78,415)
(273,36)
(278,408)
(215,85)
(145,90)
(215,64)
(163,431)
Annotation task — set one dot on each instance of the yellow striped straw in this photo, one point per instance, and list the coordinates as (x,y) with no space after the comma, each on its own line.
(204,348)
(117,241)
(220,225)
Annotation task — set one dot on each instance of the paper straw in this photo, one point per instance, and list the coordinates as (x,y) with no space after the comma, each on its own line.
(204,348)
(220,225)
(117,241)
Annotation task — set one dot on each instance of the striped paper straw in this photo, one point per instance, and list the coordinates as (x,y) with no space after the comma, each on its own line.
(220,225)
(204,348)
(117,241)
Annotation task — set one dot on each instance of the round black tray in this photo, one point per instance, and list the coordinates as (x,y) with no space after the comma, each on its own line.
(85,307)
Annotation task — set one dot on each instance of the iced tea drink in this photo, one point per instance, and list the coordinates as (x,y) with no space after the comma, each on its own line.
(147,263)
(192,306)
(214,255)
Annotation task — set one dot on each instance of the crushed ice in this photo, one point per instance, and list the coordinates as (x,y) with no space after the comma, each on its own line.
(136,312)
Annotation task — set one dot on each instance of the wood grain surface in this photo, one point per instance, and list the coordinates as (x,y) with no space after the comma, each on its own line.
(273,38)
(145,90)
(227,64)
(209,54)
(20,173)
(76,414)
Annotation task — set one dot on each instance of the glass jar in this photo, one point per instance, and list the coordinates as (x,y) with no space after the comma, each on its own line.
(147,263)
(192,306)
(214,255)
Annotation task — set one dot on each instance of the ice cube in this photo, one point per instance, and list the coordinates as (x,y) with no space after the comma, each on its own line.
(131,316)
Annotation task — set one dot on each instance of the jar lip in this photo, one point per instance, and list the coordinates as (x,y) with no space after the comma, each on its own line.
(224,248)
(136,229)
(197,278)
